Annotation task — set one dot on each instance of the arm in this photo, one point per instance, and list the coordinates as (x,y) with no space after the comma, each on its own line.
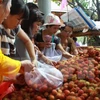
(64,53)
(43,57)
(73,47)
(43,45)
(28,44)
(10,68)
(40,43)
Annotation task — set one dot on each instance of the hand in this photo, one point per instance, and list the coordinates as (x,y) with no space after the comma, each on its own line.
(27,65)
(7,79)
(8,91)
(20,79)
(67,55)
(75,52)
(44,44)
(36,47)
(34,62)
(73,56)
(50,62)
(47,44)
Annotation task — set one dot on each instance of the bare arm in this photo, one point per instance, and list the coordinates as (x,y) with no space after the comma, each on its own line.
(44,58)
(74,50)
(43,45)
(28,43)
(64,53)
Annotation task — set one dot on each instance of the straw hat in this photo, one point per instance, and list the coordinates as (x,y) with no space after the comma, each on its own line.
(52,19)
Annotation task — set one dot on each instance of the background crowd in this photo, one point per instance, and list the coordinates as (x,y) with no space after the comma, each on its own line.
(24,42)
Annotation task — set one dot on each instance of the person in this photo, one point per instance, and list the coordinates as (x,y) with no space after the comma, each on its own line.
(31,27)
(9,67)
(66,40)
(52,24)
(75,40)
(4,9)
(19,11)
(35,20)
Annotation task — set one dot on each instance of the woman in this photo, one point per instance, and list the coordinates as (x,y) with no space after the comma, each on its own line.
(36,19)
(4,9)
(75,40)
(66,40)
(52,24)
(9,67)
(10,29)
(31,27)
(6,62)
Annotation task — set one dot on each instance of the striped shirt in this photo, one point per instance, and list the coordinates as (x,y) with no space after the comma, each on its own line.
(8,39)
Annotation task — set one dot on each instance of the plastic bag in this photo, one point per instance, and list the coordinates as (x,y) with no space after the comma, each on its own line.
(5,89)
(47,38)
(44,76)
(52,54)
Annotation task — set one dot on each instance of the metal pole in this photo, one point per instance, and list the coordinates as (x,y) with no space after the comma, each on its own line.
(45,6)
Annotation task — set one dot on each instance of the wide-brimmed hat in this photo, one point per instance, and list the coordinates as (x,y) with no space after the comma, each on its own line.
(52,19)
